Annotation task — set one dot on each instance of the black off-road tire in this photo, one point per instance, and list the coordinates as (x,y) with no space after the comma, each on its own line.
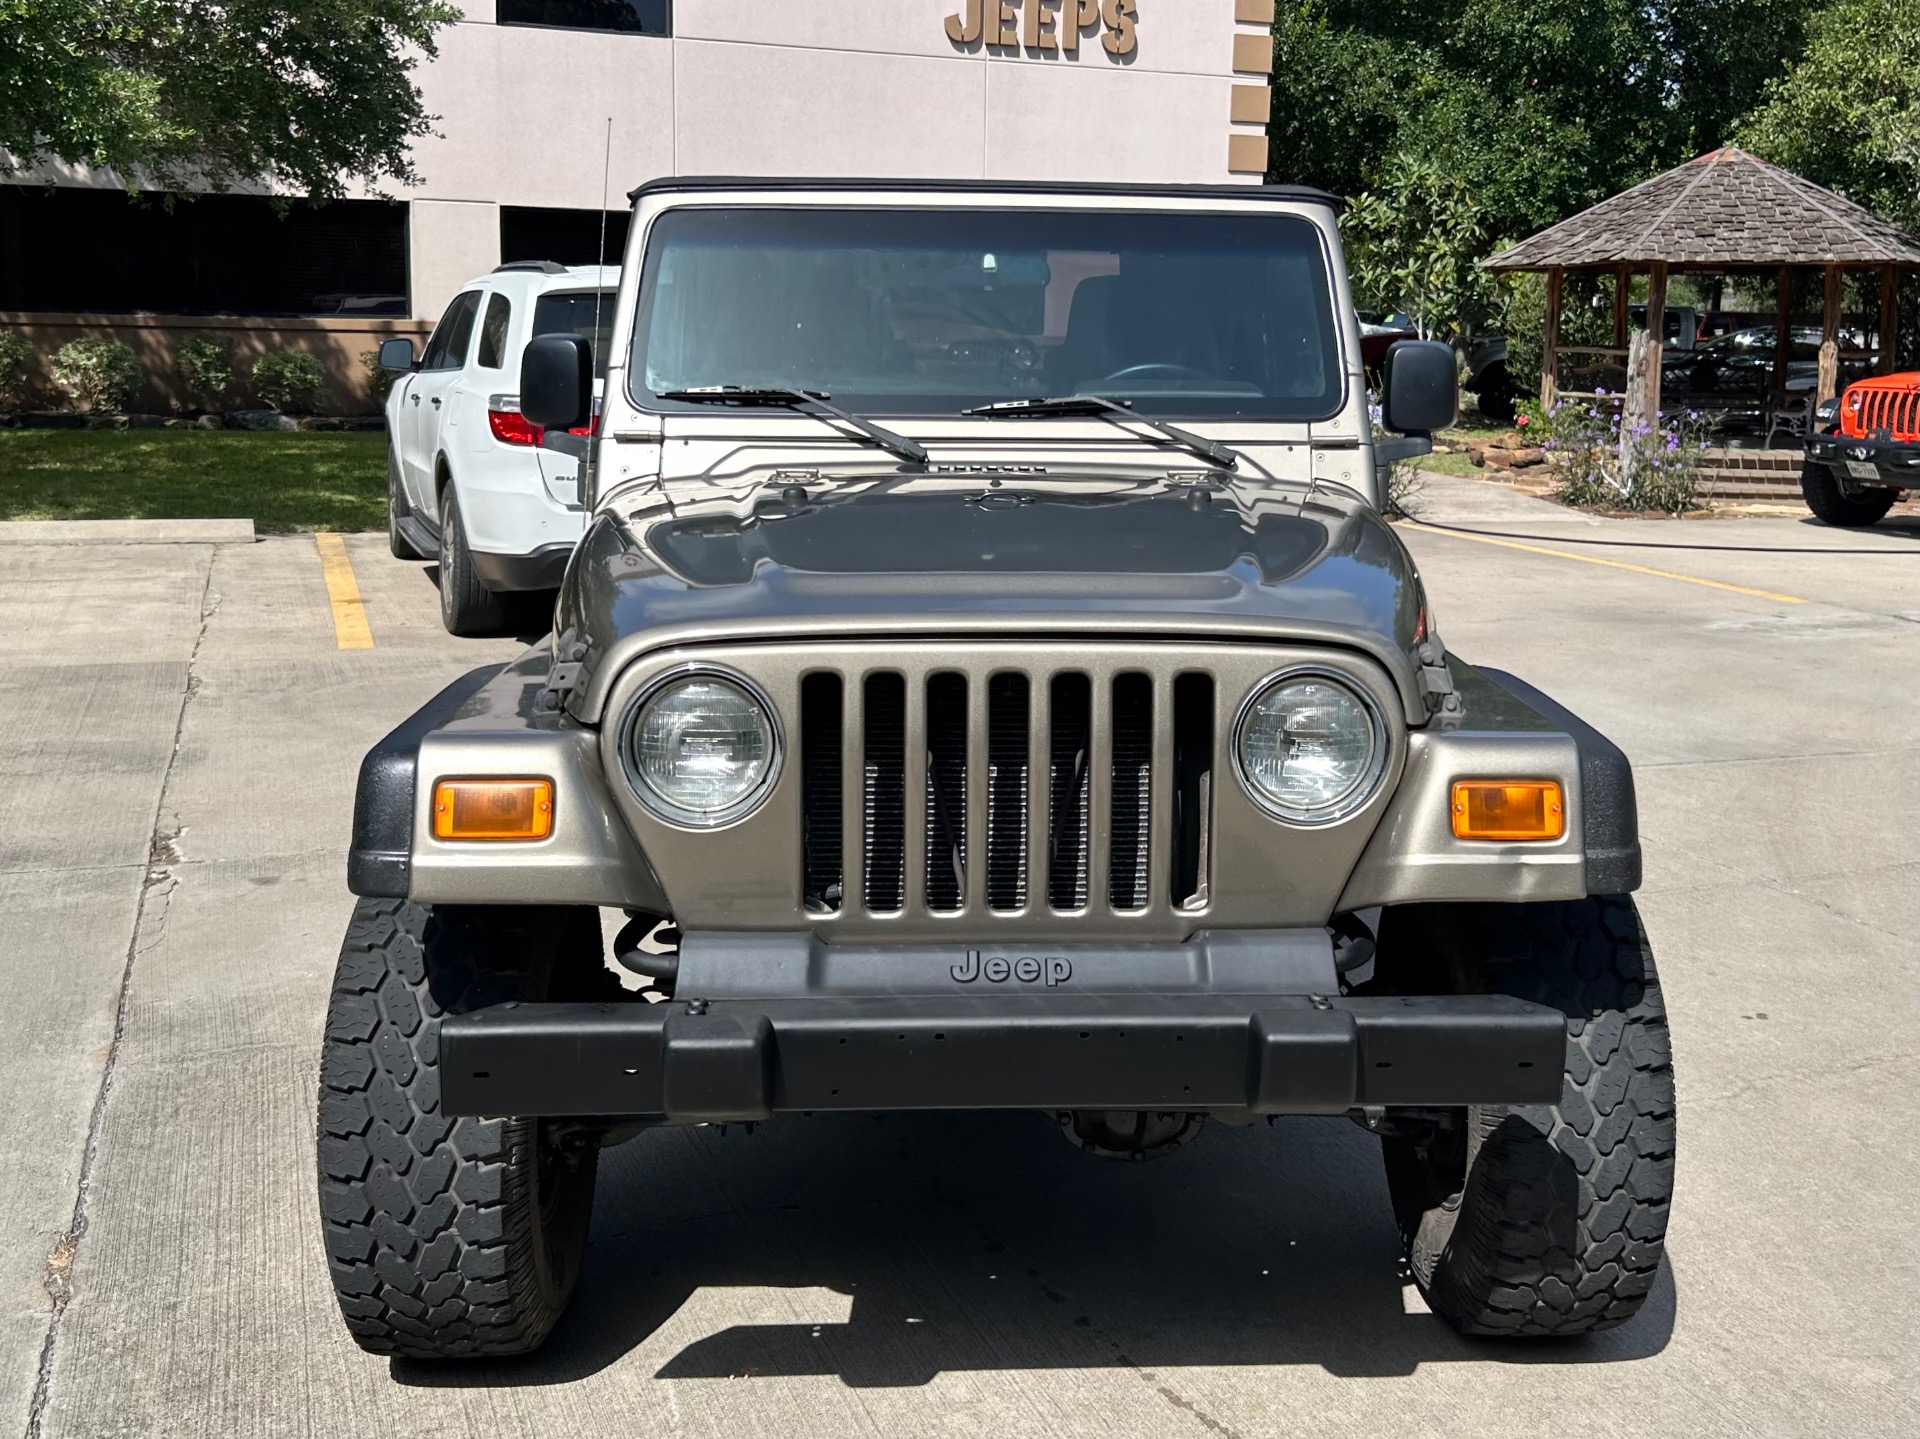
(397,543)
(1496,394)
(448,1238)
(467,607)
(1539,1220)
(1837,505)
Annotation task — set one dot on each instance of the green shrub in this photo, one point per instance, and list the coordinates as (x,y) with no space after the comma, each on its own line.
(98,374)
(1657,468)
(289,380)
(16,356)
(206,365)
(379,380)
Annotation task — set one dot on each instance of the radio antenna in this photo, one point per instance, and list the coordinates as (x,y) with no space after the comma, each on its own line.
(599,293)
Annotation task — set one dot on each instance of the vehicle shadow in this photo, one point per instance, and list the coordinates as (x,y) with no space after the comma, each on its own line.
(1901,526)
(983,1241)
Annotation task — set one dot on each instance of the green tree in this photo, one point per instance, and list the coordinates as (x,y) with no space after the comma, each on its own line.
(1848,115)
(1414,244)
(183,93)
(1542,106)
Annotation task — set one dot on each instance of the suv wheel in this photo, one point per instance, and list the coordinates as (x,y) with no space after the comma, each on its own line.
(1543,1219)
(467,607)
(1840,505)
(396,502)
(448,1238)
(1494,388)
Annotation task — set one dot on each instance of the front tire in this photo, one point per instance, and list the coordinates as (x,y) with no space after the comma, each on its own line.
(467,607)
(1542,1220)
(1836,504)
(448,1238)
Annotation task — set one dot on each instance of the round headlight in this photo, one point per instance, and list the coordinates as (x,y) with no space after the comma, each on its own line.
(1310,748)
(702,750)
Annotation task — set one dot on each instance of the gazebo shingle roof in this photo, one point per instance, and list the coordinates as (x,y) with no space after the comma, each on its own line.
(1725,208)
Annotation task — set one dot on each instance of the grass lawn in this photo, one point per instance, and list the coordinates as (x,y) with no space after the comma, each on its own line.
(282,482)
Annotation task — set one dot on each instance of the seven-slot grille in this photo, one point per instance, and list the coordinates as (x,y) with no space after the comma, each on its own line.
(937,791)
(1896,412)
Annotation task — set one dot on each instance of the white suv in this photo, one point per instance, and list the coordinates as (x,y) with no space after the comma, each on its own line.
(468,482)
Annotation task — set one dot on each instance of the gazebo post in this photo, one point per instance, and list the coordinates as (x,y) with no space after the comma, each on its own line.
(1656,336)
(1622,292)
(1782,324)
(1889,315)
(1828,384)
(1550,348)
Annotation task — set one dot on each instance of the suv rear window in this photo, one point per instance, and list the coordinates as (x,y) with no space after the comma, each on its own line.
(931,311)
(574,312)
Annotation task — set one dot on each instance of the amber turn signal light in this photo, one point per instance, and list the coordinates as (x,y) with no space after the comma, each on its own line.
(493,809)
(1508,809)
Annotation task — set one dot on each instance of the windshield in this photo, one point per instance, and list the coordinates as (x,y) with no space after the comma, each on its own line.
(573,312)
(918,312)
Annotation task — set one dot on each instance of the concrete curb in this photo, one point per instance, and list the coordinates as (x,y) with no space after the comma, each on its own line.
(126,532)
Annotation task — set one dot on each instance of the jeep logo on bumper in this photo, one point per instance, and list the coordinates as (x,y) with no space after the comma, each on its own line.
(1027,969)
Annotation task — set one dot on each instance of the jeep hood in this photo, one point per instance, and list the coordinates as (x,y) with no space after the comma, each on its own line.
(1163,561)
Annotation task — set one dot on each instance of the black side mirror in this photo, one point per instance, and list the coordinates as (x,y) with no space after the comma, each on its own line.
(396,354)
(556,381)
(1420,383)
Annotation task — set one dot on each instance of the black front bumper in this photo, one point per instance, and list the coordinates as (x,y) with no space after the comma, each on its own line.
(746,1059)
(1895,464)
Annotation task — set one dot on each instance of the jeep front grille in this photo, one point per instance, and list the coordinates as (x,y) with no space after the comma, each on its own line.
(943,792)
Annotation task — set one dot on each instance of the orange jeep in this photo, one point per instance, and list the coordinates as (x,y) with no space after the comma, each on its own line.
(1865,449)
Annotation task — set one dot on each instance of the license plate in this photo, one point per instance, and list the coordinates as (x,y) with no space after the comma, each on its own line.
(1862,470)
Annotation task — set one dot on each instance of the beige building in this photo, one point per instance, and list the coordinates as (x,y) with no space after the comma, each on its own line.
(1125,90)
(546,106)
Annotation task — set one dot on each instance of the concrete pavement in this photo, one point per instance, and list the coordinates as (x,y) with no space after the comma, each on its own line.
(182,732)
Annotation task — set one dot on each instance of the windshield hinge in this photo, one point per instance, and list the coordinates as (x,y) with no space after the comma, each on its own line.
(569,669)
(1436,680)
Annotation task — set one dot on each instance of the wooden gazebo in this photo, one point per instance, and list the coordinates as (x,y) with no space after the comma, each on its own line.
(1726,211)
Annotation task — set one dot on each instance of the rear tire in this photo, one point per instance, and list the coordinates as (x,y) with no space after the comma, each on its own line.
(398,543)
(1836,505)
(448,1238)
(467,607)
(1541,1220)
(1494,389)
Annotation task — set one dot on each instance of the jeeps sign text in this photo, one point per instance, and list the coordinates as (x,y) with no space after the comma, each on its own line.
(1046,25)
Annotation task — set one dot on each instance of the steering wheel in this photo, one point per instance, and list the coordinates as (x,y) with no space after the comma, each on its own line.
(1134,372)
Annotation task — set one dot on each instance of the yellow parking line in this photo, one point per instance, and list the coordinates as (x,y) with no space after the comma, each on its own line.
(350,630)
(1610,564)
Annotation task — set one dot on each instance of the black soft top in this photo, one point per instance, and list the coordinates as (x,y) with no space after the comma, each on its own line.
(1294,194)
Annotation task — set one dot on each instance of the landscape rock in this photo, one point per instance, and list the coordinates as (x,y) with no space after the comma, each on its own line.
(260,420)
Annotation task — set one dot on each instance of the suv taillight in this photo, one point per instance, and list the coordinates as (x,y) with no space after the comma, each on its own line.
(509,426)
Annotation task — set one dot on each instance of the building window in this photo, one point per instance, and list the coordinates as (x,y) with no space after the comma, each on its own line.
(567,237)
(65,249)
(639,17)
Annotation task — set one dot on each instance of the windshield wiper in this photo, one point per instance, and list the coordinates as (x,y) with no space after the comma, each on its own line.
(804,401)
(1209,450)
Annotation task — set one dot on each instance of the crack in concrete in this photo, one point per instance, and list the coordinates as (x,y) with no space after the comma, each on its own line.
(156,895)
(1175,1398)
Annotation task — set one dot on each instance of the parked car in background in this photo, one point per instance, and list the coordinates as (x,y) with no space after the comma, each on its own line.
(1483,360)
(468,482)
